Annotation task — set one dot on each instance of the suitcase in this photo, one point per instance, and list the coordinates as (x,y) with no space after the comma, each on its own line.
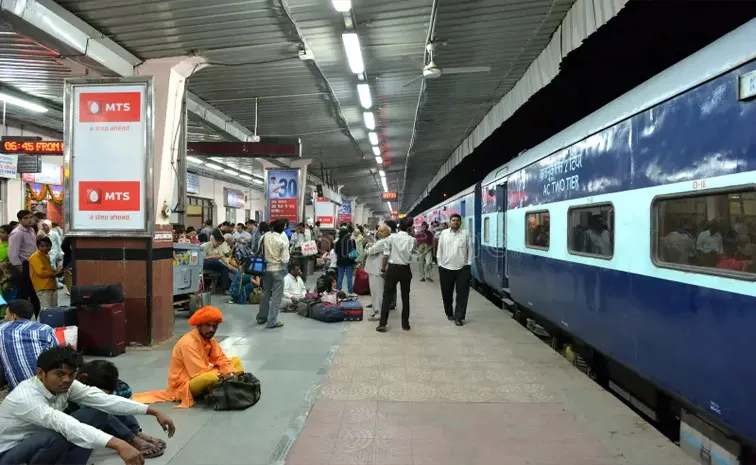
(95,295)
(102,329)
(58,317)
(352,310)
(361,282)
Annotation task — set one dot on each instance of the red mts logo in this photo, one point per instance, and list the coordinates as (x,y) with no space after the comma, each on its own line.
(110,107)
(118,196)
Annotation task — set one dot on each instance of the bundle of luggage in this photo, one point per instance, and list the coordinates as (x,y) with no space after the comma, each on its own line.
(328,305)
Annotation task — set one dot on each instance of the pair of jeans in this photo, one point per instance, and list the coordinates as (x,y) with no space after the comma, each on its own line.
(221,268)
(347,271)
(25,288)
(401,274)
(46,447)
(452,280)
(270,303)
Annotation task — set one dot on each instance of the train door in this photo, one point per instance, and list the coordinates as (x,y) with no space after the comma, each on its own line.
(501,240)
(477,271)
(462,213)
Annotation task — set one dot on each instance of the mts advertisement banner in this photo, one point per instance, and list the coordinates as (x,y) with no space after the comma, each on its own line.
(345,212)
(324,213)
(108,164)
(282,194)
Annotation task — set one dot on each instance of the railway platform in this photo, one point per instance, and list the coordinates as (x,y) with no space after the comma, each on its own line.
(487,393)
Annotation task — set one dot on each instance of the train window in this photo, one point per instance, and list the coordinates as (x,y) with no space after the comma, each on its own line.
(590,230)
(469,224)
(708,233)
(538,230)
(485,229)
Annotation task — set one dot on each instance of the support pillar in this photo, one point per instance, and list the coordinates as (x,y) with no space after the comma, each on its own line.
(144,265)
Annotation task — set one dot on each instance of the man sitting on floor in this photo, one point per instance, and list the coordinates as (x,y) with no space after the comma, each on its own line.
(35,431)
(294,288)
(197,364)
(103,375)
(21,342)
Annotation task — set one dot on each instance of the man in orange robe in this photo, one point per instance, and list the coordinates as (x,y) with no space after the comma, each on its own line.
(197,364)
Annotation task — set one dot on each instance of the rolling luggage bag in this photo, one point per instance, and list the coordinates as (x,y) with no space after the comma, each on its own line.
(361,282)
(352,310)
(326,313)
(58,317)
(101,319)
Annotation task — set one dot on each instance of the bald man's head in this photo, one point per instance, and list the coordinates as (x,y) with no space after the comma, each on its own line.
(383,231)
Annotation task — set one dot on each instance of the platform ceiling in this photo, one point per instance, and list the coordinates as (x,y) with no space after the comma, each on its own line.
(253,47)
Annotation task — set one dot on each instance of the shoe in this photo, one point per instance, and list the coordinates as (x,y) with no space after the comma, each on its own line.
(458,323)
(422,280)
(369,306)
(450,318)
(277,325)
(406,328)
(261,321)
(430,280)
(381,329)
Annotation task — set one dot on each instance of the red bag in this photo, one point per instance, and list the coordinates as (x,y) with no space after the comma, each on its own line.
(361,282)
(102,329)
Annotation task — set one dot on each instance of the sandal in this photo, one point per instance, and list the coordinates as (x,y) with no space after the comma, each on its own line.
(150,450)
(373,318)
(152,440)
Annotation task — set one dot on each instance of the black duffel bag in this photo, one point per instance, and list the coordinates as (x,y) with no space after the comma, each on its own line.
(97,295)
(237,392)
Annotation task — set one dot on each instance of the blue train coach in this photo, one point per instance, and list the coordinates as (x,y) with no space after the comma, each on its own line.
(640,221)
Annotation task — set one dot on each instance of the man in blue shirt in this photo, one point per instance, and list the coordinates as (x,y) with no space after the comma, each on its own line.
(21,342)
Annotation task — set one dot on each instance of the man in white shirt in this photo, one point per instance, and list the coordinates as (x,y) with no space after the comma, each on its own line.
(454,261)
(294,287)
(35,431)
(709,244)
(397,256)
(276,251)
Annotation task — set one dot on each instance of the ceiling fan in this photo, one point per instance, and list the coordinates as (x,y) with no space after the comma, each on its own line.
(431,71)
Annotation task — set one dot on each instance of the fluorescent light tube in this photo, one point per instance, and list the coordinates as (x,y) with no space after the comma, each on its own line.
(389,205)
(194,160)
(365,99)
(369,120)
(342,6)
(382,173)
(379,160)
(376,151)
(257,181)
(22,103)
(229,171)
(214,167)
(354,52)
(244,176)
(373,138)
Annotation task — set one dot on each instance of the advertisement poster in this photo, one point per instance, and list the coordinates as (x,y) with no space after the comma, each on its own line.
(108,157)
(233,198)
(51,174)
(282,190)
(324,213)
(192,183)
(345,212)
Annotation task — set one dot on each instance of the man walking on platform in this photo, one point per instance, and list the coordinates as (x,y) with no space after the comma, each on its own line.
(454,261)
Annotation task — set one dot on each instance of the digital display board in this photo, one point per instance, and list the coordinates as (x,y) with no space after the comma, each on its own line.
(40,147)
(389,195)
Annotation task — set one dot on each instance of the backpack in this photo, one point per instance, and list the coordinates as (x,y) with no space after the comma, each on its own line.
(237,392)
(326,313)
(304,305)
(324,283)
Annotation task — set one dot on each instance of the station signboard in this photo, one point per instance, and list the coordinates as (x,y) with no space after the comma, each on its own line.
(388,196)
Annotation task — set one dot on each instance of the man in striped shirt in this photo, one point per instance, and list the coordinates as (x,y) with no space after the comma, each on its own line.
(21,342)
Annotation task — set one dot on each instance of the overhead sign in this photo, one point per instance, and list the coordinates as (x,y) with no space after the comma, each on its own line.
(29,164)
(394,212)
(324,213)
(389,195)
(233,198)
(107,149)
(51,173)
(345,212)
(20,145)
(8,164)
(268,147)
(282,192)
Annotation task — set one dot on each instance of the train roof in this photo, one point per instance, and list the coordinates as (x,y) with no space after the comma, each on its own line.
(456,196)
(717,58)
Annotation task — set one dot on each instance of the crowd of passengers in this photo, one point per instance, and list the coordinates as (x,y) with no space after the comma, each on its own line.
(711,244)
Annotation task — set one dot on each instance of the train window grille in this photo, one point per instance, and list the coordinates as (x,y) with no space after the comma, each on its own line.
(486,226)
(706,232)
(537,229)
(590,230)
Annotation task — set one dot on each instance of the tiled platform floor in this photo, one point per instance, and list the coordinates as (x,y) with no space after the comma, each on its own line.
(488,393)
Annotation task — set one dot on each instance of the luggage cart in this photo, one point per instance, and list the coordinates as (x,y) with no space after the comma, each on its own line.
(188,286)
